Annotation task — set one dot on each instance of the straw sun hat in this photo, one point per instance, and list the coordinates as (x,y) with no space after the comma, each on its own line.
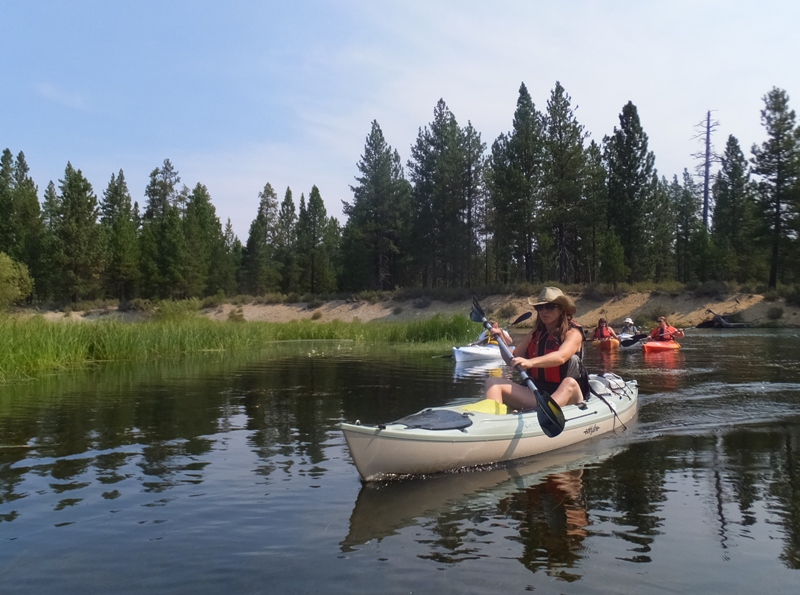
(556,296)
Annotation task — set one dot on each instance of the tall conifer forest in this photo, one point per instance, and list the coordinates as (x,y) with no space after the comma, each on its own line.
(542,202)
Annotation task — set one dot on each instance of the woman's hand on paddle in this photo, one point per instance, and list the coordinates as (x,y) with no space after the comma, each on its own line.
(521,362)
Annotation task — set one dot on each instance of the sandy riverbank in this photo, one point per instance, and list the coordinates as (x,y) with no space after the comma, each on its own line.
(683,310)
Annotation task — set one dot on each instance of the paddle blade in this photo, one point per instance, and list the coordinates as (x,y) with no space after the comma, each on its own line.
(475,316)
(550,415)
(522,318)
(550,427)
(633,340)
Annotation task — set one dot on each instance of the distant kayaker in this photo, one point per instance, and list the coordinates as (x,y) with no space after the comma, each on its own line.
(665,332)
(628,328)
(603,332)
(487,338)
(551,354)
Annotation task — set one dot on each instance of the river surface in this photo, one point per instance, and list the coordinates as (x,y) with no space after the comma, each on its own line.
(227,474)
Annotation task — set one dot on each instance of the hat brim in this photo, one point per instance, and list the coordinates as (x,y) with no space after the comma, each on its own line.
(564,301)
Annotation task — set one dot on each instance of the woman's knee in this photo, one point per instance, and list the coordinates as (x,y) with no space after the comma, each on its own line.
(492,381)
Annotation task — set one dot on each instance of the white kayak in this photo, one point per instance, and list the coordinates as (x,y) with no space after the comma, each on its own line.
(471,353)
(447,438)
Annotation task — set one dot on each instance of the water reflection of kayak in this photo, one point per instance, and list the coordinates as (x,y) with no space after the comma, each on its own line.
(445,438)
(382,509)
(655,346)
(478,368)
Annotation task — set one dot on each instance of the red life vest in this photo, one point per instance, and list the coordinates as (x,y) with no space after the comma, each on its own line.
(663,334)
(542,344)
(602,332)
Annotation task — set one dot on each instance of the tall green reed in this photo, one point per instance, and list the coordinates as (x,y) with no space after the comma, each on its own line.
(29,347)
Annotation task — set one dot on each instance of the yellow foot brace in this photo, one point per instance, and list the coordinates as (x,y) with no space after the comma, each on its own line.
(486,406)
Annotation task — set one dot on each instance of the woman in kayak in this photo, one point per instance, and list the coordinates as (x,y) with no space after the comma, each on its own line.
(603,332)
(551,354)
(665,332)
(628,328)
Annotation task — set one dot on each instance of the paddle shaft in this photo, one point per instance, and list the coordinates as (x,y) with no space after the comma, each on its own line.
(549,413)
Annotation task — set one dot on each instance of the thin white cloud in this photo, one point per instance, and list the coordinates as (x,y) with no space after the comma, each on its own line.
(63,97)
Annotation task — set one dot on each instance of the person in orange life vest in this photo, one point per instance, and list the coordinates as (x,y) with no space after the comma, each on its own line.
(603,332)
(665,332)
(551,355)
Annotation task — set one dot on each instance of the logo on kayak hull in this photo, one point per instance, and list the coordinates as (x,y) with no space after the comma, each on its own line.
(591,430)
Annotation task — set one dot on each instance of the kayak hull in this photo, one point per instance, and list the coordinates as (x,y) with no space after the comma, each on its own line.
(657,346)
(608,344)
(396,449)
(472,353)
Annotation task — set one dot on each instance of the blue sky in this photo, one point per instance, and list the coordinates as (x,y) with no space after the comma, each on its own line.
(240,93)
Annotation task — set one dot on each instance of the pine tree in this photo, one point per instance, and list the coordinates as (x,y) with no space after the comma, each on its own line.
(162,246)
(515,183)
(7,239)
(121,274)
(259,268)
(612,257)
(436,170)
(593,215)
(564,168)
(229,274)
(285,243)
(663,211)
(27,220)
(733,222)
(205,244)
(777,164)
(474,189)
(632,183)
(687,203)
(78,237)
(375,235)
(317,273)
(47,282)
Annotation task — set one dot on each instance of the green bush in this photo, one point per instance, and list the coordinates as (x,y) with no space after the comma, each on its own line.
(422,303)
(316,315)
(15,282)
(775,313)
(236,315)
(506,311)
(711,289)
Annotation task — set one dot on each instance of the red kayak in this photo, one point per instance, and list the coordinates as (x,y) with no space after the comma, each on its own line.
(656,346)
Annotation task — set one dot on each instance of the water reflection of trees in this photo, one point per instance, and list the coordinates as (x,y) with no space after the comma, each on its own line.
(157,421)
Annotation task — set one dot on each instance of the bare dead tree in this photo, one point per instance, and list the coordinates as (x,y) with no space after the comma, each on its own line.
(707,157)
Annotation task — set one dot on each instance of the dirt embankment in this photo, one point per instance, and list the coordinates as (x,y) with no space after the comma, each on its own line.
(682,310)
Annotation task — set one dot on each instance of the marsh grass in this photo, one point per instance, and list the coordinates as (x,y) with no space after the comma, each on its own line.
(30,347)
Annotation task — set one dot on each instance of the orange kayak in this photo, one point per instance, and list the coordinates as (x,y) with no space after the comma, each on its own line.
(607,344)
(655,346)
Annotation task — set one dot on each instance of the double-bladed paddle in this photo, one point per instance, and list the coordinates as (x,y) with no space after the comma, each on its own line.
(633,340)
(551,417)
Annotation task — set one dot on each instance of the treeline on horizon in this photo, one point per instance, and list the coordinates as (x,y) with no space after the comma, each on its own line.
(543,203)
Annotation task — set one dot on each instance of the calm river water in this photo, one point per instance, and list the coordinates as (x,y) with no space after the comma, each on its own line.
(227,474)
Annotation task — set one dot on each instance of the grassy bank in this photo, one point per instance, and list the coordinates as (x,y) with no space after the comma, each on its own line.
(34,346)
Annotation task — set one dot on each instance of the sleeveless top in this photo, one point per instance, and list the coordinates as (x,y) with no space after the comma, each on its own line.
(543,343)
